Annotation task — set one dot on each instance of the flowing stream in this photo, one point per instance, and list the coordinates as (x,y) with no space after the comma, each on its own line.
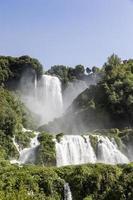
(67,192)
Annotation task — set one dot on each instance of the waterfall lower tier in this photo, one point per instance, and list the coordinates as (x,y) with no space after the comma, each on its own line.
(67,192)
(108,152)
(75,149)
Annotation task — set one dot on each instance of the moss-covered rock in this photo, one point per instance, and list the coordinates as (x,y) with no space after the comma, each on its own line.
(59,136)
(23,138)
(46,154)
(115,134)
(7,148)
(94,141)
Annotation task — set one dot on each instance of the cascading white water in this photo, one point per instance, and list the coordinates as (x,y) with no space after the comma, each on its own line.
(45,99)
(26,155)
(75,149)
(49,96)
(67,192)
(108,151)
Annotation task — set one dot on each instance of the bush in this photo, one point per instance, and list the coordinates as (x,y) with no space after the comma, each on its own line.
(46,154)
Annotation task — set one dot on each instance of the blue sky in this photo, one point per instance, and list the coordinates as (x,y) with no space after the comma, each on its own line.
(68,32)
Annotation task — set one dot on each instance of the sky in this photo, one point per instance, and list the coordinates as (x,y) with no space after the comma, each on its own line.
(67,32)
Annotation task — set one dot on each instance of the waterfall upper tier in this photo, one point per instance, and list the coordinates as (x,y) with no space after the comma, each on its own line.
(49,96)
(43,97)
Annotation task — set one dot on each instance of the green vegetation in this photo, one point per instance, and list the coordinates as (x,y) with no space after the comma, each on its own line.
(94,141)
(107,107)
(23,138)
(86,182)
(13,114)
(12,69)
(112,96)
(46,151)
(117,86)
(13,117)
(123,138)
(28,183)
(68,74)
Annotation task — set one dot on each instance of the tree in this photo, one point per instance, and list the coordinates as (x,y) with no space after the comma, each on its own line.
(95,69)
(5,71)
(112,61)
(88,70)
(12,68)
(79,71)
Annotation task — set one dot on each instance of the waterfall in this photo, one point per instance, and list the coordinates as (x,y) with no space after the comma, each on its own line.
(67,192)
(27,155)
(35,82)
(45,100)
(50,97)
(108,151)
(75,149)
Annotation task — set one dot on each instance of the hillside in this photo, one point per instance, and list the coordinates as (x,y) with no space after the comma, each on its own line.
(87,182)
(109,104)
(98,125)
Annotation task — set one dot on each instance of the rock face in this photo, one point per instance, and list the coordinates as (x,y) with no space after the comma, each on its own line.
(80,117)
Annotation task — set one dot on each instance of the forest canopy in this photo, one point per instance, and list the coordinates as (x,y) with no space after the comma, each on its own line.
(12,68)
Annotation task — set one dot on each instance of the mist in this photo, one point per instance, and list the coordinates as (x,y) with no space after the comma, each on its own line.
(53,107)
(42,97)
(73,120)
(72,91)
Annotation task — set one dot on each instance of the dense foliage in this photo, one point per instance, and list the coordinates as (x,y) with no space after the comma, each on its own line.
(13,116)
(68,74)
(117,87)
(113,95)
(87,182)
(12,69)
(46,151)
(108,104)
